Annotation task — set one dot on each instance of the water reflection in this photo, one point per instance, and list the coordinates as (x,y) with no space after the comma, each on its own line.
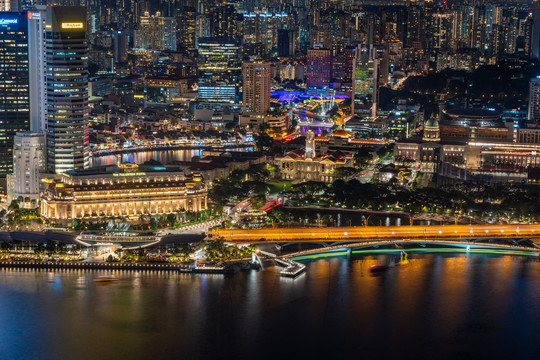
(475,305)
(164,156)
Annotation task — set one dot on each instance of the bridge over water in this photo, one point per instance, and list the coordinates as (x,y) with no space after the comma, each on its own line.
(398,245)
(378,233)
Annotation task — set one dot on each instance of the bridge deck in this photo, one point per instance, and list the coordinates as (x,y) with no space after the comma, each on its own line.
(415,232)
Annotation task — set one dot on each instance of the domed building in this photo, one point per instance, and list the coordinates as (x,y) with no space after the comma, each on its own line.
(431,130)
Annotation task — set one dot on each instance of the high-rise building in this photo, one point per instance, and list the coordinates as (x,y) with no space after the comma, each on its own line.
(186,27)
(366,83)
(319,67)
(256,90)
(14,78)
(220,70)
(156,32)
(120,46)
(37,69)
(29,158)
(349,57)
(67,88)
(534,100)
(535,37)
(285,43)
(225,22)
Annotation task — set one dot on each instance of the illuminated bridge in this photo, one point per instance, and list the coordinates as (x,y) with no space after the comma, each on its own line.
(420,245)
(378,233)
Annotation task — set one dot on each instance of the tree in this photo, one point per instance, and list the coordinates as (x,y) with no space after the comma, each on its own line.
(263,142)
(344,172)
(13,206)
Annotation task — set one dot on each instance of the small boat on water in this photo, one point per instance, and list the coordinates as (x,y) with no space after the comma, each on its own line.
(378,268)
(105,278)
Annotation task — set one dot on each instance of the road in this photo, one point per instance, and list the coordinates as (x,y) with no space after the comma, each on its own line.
(377,233)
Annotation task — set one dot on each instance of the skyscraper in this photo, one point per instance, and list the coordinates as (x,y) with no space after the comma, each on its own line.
(37,69)
(257,81)
(14,97)
(534,100)
(220,70)
(156,32)
(319,67)
(366,83)
(285,43)
(67,88)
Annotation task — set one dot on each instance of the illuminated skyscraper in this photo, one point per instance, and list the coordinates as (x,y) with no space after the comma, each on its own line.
(156,32)
(67,88)
(14,93)
(366,83)
(220,70)
(37,68)
(256,91)
(319,67)
(534,100)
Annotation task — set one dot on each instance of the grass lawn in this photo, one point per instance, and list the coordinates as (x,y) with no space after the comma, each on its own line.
(277,185)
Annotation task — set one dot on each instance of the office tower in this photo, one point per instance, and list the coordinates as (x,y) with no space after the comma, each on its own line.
(534,100)
(186,27)
(349,57)
(535,37)
(156,32)
(220,70)
(14,92)
(202,28)
(225,22)
(67,88)
(285,43)
(29,158)
(256,91)
(319,67)
(37,71)
(120,46)
(366,83)
(384,63)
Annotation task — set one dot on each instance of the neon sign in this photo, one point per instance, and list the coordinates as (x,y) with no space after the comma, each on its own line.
(78,25)
(8,21)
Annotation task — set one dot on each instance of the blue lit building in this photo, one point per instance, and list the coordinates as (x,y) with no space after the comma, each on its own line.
(14,84)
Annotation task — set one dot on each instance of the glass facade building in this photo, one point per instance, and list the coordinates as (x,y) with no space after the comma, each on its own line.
(14,94)
(67,88)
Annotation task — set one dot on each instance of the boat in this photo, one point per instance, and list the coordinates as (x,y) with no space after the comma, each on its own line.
(378,268)
(105,278)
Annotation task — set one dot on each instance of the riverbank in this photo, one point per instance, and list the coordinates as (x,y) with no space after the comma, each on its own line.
(201,269)
(105,152)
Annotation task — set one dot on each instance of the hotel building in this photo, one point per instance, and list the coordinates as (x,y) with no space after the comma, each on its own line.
(121,191)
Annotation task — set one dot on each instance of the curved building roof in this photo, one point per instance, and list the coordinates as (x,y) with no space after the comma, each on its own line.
(473,113)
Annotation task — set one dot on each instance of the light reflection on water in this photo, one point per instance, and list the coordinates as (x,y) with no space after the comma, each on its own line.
(165,156)
(456,305)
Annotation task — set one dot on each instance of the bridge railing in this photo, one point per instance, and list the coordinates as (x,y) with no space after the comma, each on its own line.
(395,242)
(379,233)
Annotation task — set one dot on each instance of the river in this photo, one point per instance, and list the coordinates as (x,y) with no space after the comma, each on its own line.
(163,156)
(439,306)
